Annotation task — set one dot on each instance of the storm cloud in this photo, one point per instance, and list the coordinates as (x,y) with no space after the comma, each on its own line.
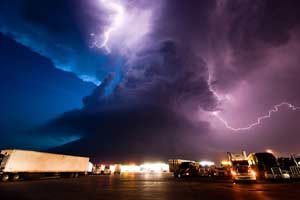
(55,30)
(149,114)
(192,58)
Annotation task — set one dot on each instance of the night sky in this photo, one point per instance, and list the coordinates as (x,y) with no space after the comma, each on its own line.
(123,80)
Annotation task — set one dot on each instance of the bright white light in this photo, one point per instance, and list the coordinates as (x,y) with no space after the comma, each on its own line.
(146,168)
(118,19)
(112,168)
(253,173)
(154,167)
(102,167)
(130,168)
(269,151)
(90,168)
(206,163)
(215,113)
(127,27)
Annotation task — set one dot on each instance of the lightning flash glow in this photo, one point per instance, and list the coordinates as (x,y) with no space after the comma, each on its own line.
(259,119)
(117,20)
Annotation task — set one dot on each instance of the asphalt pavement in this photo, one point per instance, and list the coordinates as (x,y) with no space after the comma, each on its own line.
(145,186)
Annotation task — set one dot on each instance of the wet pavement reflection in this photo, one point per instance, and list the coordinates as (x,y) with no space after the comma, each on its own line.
(145,186)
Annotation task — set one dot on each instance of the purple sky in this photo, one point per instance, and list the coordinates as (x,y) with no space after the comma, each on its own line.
(165,68)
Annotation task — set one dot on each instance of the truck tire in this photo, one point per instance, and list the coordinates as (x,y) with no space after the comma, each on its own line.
(5,177)
(16,177)
(179,175)
(71,175)
(175,175)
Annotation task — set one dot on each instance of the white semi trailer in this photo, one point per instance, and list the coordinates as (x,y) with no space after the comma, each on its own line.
(16,164)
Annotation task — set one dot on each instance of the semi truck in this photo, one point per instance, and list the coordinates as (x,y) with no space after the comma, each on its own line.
(296,159)
(181,168)
(266,166)
(290,165)
(240,168)
(21,164)
(224,170)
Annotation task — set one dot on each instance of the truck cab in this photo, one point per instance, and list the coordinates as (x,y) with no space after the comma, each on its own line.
(296,159)
(288,166)
(187,169)
(117,169)
(180,167)
(97,169)
(266,166)
(240,168)
(106,170)
(241,171)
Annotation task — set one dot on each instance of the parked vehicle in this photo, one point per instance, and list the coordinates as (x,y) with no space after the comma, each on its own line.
(96,169)
(106,170)
(296,159)
(266,166)
(91,168)
(117,169)
(240,168)
(224,170)
(182,168)
(289,165)
(21,164)
(188,169)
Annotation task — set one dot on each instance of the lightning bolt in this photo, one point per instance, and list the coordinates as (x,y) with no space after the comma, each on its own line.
(259,119)
(117,21)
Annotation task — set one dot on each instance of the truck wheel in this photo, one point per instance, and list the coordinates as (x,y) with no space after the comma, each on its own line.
(176,175)
(5,177)
(16,177)
(71,175)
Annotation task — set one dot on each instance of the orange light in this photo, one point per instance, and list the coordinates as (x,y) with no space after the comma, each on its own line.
(225,162)
(253,173)
(233,173)
(269,151)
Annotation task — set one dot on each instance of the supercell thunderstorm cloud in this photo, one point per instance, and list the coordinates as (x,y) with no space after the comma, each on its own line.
(174,78)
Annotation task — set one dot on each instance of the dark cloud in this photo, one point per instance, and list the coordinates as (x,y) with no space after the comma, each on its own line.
(55,30)
(267,21)
(244,49)
(245,33)
(149,113)
(137,133)
(153,111)
(54,16)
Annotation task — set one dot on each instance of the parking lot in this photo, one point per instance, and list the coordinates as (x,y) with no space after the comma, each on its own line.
(145,186)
